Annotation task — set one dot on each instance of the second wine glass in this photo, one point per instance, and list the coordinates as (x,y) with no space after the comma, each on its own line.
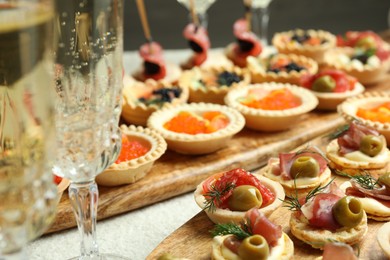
(201,7)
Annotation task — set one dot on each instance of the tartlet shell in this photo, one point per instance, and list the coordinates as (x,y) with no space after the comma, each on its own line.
(259,74)
(348,110)
(137,113)
(315,52)
(130,171)
(317,238)
(366,75)
(383,238)
(200,143)
(271,120)
(61,187)
(211,94)
(227,216)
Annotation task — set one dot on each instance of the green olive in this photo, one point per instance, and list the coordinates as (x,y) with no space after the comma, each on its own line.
(245,197)
(324,84)
(371,145)
(253,247)
(304,166)
(385,179)
(366,43)
(348,211)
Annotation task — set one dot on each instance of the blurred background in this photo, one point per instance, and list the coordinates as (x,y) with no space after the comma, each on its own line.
(167,19)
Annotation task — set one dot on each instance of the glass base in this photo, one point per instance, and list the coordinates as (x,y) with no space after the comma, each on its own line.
(101,257)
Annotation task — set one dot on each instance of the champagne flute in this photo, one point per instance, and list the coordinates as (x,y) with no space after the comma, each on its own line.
(261,19)
(89,84)
(201,7)
(28,195)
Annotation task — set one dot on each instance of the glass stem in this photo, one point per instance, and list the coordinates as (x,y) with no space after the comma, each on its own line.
(260,24)
(202,17)
(84,200)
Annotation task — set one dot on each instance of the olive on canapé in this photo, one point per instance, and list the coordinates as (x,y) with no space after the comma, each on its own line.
(385,180)
(371,145)
(254,247)
(348,211)
(304,166)
(366,43)
(324,84)
(245,197)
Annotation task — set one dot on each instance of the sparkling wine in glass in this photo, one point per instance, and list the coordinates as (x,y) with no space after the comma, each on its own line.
(201,7)
(260,19)
(28,195)
(88,102)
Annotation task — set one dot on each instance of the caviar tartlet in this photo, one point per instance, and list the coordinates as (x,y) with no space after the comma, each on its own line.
(309,43)
(62,185)
(255,238)
(226,196)
(141,99)
(322,216)
(362,64)
(298,172)
(371,109)
(141,147)
(271,106)
(283,68)
(210,85)
(331,87)
(358,148)
(197,128)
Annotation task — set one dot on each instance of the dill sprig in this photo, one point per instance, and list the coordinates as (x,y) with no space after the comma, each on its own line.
(230,229)
(338,132)
(213,196)
(293,203)
(365,180)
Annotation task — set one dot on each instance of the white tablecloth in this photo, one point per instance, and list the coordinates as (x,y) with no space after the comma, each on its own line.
(134,234)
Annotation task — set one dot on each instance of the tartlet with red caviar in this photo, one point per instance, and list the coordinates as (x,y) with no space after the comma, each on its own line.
(196,128)
(271,106)
(226,196)
(331,87)
(255,238)
(141,147)
(141,99)
(326,214)
(62,185)
(309,43)
(298,172)
(283,68)
(358,148)
(210,85)
(371,109)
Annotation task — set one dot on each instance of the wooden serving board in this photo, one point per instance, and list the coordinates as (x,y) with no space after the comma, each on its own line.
(174,174)
(193,239)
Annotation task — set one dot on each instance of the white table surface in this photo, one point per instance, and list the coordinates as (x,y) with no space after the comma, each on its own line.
(134,234)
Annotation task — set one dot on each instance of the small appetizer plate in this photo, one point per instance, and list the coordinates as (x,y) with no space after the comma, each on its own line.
(273,119)
(141,99)
(132,169)
(383,238)
(210,85)
(283,68)
(332,87)
(228,122)
(309,43)
(356,108)
(371,71)
(221,216)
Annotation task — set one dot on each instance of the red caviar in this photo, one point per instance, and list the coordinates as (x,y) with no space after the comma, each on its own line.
(57,179)
(131,149)
(379,113)
(278,99)
(190,123)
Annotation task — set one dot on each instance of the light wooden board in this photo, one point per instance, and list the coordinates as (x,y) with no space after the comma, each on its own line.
(175,174)
(193,239)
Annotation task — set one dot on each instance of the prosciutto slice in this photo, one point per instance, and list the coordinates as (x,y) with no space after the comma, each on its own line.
(287,159)
(380,194)
(154,64)
(260,225)
(199,42)
(336,250)
(350,140)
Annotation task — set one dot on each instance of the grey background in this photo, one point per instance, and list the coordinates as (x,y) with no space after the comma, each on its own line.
(167,18)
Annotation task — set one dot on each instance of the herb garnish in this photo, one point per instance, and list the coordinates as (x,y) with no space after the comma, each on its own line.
(338,132)
(365,180)
(213,196)
(231,229)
